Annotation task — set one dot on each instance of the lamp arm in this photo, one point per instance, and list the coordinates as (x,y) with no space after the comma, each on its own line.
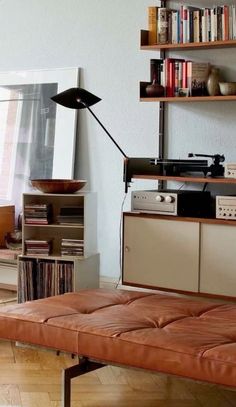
(109,135)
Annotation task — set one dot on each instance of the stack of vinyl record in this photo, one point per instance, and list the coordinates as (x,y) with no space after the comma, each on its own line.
(38,214)
(71,214)
(72,247)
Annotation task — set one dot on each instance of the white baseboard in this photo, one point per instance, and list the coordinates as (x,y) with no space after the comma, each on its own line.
(108,282)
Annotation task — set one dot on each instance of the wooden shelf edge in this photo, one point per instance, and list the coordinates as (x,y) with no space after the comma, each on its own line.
(55,225)
(212,221)
(52,256)
(177,291)
(219,180)
(182,46)
(190,99)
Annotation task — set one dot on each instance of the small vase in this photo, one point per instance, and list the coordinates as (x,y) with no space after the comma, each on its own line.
(213,80)
(154,89)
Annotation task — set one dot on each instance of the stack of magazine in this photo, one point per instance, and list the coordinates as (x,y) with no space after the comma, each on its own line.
(72,247)
(39,247)
(71,214)
(38,214)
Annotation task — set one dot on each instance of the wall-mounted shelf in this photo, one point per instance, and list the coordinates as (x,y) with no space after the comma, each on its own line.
(190,99)
(182,46)
(172,253)
(219,180)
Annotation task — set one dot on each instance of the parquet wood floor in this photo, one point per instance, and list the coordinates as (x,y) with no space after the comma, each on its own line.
(31,377)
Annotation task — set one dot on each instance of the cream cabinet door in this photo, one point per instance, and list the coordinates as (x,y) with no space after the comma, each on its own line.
(161,253)
(218,259)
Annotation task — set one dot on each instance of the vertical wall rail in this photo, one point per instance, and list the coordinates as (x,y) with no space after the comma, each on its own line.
(161,135)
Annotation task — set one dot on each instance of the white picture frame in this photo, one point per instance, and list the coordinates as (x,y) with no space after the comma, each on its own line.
(66,119)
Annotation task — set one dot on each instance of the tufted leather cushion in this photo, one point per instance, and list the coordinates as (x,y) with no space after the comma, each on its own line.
(166,333)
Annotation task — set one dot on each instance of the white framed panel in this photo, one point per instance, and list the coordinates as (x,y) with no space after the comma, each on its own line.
(65,119)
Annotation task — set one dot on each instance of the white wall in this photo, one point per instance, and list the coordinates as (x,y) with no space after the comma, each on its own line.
(102,37)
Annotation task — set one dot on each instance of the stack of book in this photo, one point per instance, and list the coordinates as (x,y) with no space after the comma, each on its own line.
(38,214)
(71,214)
(191,24)
(39,247)
(72,247)
(180,77)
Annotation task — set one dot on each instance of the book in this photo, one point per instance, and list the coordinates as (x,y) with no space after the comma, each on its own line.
(196,26)
(156,67)
(169,67)
(175,27)
(197,75)
(152,25)
(162,25)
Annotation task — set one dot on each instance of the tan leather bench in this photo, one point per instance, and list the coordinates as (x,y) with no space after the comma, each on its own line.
(164,333)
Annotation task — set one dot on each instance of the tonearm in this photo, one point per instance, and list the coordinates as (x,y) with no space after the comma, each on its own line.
(215,169)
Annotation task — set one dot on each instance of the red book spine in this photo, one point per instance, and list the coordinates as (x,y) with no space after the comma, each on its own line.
(184,78)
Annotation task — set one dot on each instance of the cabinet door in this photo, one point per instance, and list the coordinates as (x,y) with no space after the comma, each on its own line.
(218,260)
(161,253)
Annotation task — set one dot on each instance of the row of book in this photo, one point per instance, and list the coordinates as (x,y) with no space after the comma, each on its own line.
(180,77)
(42,214)
(191,24)
(41,279)
(38,214)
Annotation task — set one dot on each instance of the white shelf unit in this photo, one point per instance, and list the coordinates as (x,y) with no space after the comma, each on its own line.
(85,268)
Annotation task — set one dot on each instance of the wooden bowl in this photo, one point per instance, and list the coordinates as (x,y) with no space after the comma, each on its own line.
(58,186)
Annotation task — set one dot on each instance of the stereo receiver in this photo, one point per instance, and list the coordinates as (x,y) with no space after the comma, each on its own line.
(230,170)
(172,202)
(226,207)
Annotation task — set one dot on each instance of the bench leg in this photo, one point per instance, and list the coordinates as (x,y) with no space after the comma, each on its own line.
(84,366)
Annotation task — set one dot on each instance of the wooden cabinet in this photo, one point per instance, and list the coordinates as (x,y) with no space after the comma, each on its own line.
(171,253)
(41,275)
(161,253)
(218,260)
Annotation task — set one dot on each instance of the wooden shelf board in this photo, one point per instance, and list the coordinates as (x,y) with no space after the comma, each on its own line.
(55,225)
(53,256)
(189,99)
(219,180)
(183,46)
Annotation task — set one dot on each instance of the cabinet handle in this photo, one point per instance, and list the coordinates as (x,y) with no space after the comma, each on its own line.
(127,249)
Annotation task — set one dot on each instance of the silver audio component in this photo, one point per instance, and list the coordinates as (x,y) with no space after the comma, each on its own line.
(226,207)
(230,170)
(164,203)
(172,202)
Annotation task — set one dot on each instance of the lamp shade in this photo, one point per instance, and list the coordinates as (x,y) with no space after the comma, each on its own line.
(76,98)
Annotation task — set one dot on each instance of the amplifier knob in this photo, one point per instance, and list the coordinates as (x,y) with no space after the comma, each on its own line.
(159,198)
(169,199)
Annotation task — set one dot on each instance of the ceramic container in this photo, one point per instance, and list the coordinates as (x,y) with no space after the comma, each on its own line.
(227,88)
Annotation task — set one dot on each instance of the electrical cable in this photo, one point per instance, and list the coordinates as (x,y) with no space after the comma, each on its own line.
(120,239)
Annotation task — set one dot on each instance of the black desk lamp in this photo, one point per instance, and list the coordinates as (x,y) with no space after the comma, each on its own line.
(78,98)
